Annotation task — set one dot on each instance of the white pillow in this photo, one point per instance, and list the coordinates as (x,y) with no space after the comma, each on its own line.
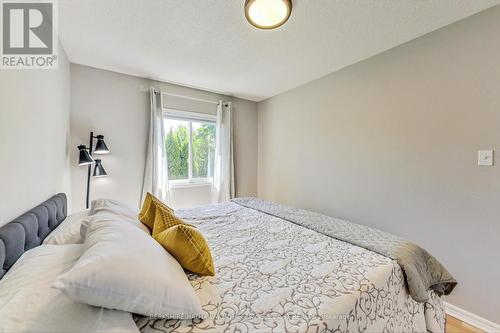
(29,304)
(124,268)
(68,232)
(113,206)
(115,210)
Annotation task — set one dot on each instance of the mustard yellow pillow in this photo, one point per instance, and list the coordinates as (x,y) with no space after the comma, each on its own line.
(188,247)
(164,219)
(147,214)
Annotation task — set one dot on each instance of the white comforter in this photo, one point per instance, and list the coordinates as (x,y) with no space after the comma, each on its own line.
(29,304)
(276,276)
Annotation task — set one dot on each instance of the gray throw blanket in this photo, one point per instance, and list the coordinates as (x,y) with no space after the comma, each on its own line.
(422,271)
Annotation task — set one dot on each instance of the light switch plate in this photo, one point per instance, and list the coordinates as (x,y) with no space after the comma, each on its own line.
(485,157)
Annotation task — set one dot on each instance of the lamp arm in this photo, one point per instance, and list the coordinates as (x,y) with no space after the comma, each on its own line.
(91,142)
(89,170)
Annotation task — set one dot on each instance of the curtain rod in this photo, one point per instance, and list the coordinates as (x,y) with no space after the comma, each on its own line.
(191,98)
(186,97)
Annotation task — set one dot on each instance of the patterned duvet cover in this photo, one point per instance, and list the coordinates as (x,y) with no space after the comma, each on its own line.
(276,276)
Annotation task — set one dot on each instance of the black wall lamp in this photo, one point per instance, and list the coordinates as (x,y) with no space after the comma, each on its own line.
(85,158)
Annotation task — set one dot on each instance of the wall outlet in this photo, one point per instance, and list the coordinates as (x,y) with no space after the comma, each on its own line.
(485,157)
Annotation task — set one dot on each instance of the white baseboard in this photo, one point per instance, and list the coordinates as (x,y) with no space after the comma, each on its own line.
(471,319)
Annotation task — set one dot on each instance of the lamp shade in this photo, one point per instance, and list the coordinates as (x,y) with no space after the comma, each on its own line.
(99,169)
(100,147)
(84,157)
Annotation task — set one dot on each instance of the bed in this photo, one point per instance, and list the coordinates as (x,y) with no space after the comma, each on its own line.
(275,275)
(28,269)
(30,229)
(278,269)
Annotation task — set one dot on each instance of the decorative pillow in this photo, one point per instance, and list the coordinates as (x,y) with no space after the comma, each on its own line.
(164,219)
(188,246)
(123,268)
(68,232)
(147,214)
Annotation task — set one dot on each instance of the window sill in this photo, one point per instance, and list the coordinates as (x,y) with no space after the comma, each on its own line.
(174,184)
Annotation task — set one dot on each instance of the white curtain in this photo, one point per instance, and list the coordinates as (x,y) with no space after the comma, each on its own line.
(223,183)
(156,171)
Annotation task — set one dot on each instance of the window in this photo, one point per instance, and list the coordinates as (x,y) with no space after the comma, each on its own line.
(190,145)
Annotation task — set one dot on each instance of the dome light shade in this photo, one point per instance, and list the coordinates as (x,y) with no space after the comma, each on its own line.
(100,147)
(84,157)
(268,14)
(99,169)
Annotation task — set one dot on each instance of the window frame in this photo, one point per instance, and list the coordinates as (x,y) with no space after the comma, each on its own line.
(190,117)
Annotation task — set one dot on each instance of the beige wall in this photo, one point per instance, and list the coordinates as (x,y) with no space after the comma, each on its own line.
(34,137)
(116,106)
(188,197)
(392,142)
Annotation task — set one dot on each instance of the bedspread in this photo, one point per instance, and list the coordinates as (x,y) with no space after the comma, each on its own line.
(273,275)
(422,270)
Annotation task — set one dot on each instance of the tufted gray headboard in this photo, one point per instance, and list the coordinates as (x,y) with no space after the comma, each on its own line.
(30,229)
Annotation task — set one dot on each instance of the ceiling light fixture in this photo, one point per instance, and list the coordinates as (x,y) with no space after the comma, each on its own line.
(268,14)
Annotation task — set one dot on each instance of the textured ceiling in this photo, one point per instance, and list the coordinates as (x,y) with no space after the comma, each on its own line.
(208,44)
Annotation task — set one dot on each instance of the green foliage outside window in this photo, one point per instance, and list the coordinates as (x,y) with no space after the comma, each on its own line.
(203,149)
(177,142)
